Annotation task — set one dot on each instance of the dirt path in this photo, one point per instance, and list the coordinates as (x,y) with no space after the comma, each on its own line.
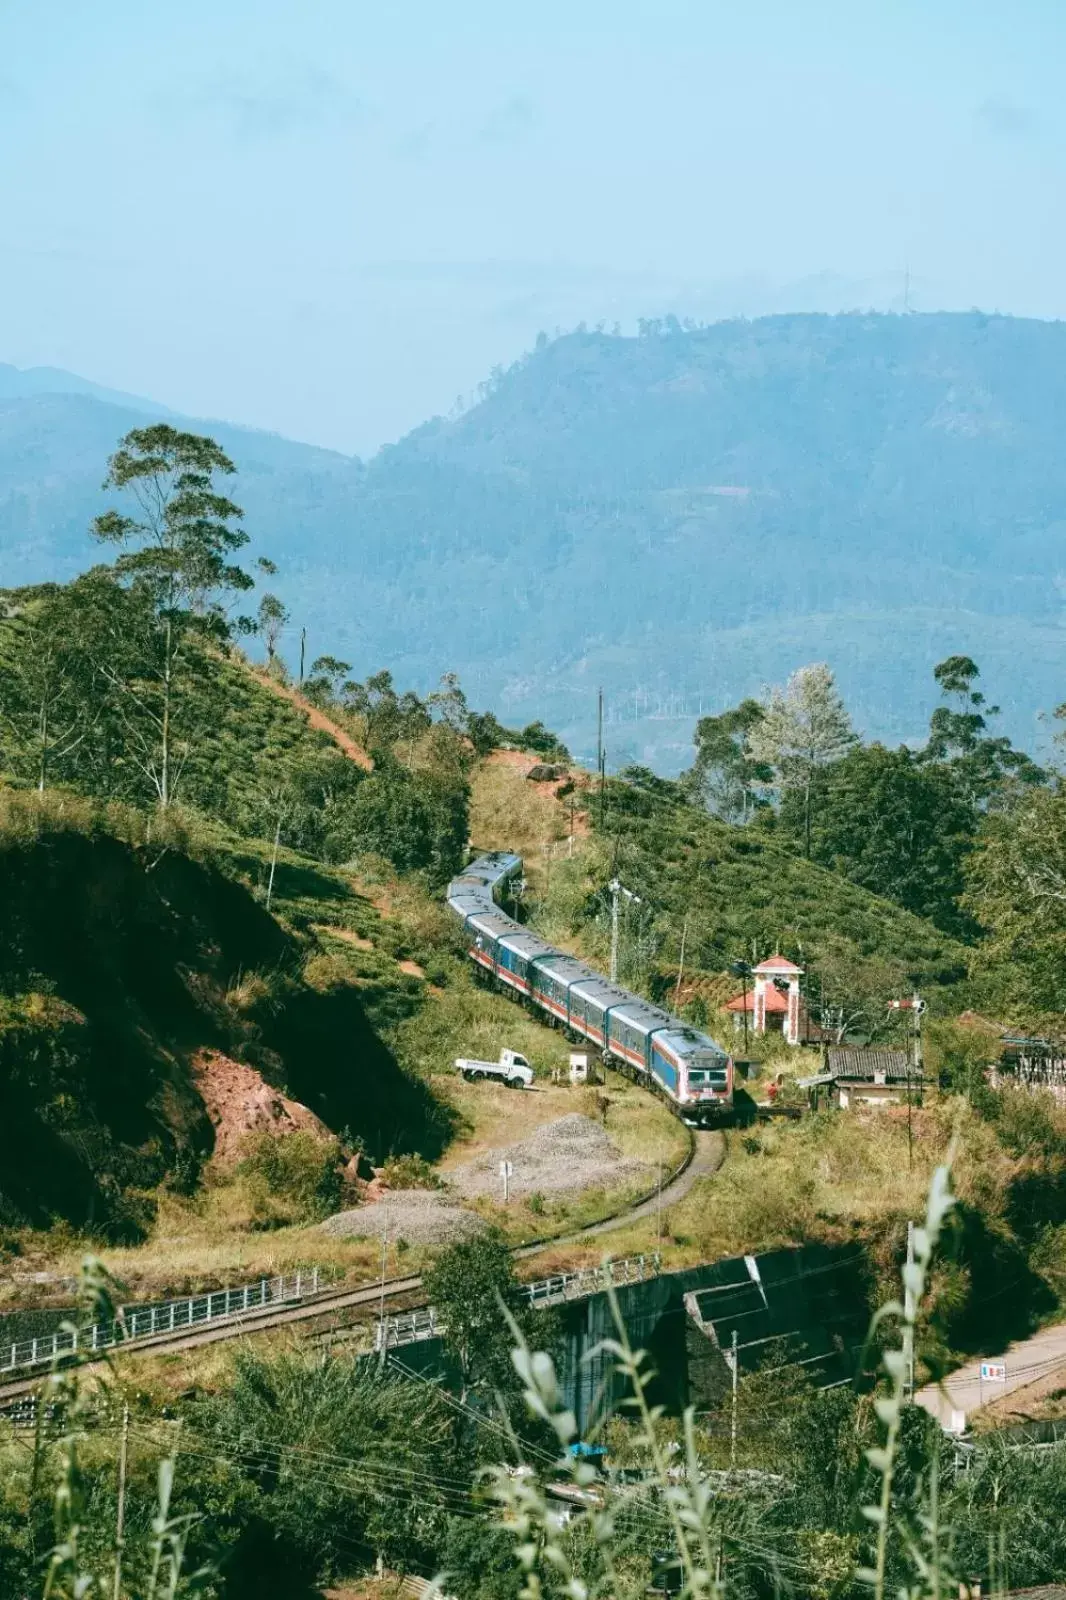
(317,719)
(1027,1362)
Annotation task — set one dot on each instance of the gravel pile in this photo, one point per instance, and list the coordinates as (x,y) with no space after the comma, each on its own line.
(421,1216)
(573,1152)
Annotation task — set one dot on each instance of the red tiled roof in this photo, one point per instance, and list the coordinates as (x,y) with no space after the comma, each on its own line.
(775,1001)
(777,964)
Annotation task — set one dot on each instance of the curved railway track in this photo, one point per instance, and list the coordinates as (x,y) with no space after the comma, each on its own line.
(332,1310)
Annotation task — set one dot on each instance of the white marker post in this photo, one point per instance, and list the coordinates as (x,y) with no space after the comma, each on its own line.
(991,1372)
(506,1173)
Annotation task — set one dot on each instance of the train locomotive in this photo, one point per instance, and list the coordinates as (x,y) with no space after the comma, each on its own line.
(685,1068)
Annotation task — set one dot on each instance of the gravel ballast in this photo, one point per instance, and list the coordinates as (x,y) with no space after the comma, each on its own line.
(421,1216)
(573,1152)
(560,1157)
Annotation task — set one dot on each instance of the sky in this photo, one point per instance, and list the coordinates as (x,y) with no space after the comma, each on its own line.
(332,219)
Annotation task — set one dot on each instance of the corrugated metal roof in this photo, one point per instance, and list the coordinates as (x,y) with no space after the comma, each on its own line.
(852,1062)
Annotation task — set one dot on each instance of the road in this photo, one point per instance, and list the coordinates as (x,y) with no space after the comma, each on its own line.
(1027,1361)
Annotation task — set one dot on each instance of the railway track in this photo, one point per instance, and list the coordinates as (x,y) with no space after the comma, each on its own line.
(332,1310)
(367,1299)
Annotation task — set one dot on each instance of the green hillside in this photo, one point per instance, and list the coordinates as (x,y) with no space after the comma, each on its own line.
(129,946)
(717,505)
(735,894)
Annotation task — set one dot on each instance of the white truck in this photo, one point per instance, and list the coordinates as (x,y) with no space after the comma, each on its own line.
(512,1068)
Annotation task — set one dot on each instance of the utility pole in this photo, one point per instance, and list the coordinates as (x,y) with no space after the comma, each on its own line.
(573,799)
(659,1208)
(617,891)
(733,1409)
(915,1005)
(909,1310)
(599,730)
(303,647)
(680,964)
(743,972)
(918,1007)
(120,1516)
(381,1309)
(273,862)
(601,757)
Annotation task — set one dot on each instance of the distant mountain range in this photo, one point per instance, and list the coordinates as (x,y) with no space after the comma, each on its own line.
(680,517)
(21,383)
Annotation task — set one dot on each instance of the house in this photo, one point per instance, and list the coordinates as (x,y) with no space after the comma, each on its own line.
(869,1077)
(1015,1061)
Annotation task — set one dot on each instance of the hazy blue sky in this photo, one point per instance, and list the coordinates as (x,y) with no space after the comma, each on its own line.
(331,218)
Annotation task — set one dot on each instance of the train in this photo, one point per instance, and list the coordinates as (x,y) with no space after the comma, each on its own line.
(685,1068)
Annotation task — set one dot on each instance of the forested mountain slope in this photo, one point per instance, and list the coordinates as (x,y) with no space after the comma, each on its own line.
(678,516)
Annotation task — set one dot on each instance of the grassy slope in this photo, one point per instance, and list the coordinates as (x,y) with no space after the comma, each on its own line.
(744,890)
(833,1178)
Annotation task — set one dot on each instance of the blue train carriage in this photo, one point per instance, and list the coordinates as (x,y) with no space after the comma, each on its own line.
(484,930)
(516,953)
(632,1027)
(695,1072)
(500,947)
(466,904)
(553,978)
(592,999)
(489,872)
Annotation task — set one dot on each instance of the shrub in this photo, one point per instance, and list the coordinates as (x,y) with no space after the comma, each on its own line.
(409,1172)
(292,1178)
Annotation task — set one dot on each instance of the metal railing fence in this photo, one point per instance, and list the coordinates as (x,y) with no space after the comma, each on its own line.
(411,1327)
(591,1280)
(137,1323)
